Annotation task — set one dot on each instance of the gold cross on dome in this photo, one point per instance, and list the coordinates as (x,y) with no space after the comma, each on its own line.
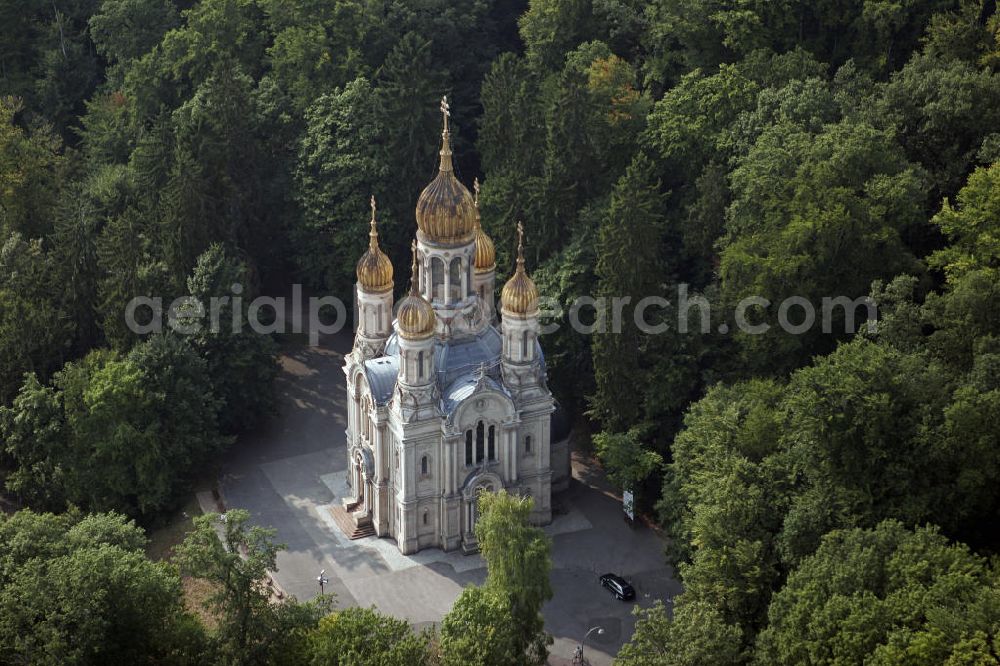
(373,206)
(445,111)
(475,188)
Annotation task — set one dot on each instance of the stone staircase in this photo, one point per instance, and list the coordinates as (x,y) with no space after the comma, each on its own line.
(348,524)
(470,545)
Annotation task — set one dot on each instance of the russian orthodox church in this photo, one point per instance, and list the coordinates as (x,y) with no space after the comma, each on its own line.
(449,397)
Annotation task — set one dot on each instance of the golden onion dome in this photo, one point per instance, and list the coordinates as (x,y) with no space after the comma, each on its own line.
(374,268)
(520,295)
(415,317)
(446,212)
(486,254)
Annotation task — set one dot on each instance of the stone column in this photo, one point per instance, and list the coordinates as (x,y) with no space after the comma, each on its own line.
(464,277)
(514,435)
(508,457)
(446,452)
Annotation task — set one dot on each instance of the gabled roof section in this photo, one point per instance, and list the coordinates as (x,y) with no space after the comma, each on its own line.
(454,358)
(466,386)
(381,374)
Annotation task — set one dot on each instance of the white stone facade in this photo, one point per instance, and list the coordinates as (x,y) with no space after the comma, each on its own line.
(433,421)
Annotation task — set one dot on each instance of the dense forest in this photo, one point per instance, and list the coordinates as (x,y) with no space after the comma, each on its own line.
(829,497)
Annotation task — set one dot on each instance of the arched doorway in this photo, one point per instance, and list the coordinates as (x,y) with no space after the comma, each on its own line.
(478,482)
(359,479)
(361,474)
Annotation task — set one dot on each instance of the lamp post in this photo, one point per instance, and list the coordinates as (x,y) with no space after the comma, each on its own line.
(322,580)
(579,648)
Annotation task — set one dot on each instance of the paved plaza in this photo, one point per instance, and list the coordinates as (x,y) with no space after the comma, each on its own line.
(293,469)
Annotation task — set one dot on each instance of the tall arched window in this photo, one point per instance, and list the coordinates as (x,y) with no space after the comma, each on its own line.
(480,436)
(524,345)
(527,444)
(366,416)
(455,279)
(420,365)
(423,465)
(468,448)
(358,391)
(437,278)
(426,516)
(491,451)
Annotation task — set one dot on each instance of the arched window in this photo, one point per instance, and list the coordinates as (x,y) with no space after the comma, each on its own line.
(527,444)
(359,389)
(479,441)
(423,465)
(437,278)
(420,365)
(426,516)
(367,415)
(524,345)
(491,451)
(468,448)
(455,279)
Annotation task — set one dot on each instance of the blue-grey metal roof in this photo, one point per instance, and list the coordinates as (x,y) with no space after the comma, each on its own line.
(455,358)
(381,373)
(462,388)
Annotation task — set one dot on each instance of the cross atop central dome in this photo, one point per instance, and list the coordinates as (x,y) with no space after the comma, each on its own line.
(446,211)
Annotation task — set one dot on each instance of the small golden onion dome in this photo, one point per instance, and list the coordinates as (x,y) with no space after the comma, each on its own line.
(374,268)
(415,317)
(520,295)
(446,212)
(486,254)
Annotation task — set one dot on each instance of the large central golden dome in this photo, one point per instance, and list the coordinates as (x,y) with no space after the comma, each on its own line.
(446,212)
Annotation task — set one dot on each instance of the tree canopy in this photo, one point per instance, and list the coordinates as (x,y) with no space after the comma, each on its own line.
(705,154)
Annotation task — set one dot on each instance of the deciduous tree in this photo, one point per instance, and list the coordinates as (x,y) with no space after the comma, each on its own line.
(236,557)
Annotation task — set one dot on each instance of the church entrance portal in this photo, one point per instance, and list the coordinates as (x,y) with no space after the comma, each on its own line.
(471,510)
(362,486)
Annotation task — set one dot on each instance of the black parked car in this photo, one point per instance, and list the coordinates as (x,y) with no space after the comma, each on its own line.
(619,586)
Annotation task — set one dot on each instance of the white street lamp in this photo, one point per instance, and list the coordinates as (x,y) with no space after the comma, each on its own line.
(322,580)
(578,657)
